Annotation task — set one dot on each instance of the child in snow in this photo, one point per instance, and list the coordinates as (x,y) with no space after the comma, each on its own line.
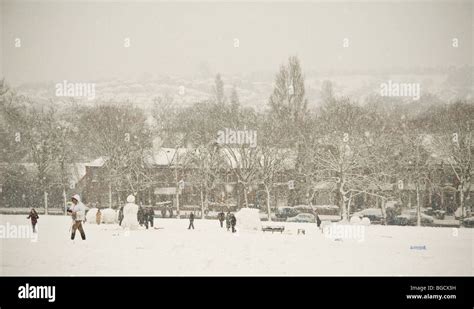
(221,218)
(33,216)
(98,216)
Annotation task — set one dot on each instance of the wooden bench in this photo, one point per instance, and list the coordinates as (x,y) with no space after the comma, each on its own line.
(273,229)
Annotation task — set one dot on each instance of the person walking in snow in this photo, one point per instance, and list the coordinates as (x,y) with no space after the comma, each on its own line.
(233,222)
(150,215)
(78,214)
(33,216)
(318,220)
(141,216)
(98,216)
(221,217)
(227,220)
(130,214)
(191,221)
(120,215)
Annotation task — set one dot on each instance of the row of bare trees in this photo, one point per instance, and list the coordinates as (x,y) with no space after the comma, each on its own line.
(350,147)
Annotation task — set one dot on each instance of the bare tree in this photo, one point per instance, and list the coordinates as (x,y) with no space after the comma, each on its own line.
(244,162)
(218,90)
(207,161)
(273,162)
(456,152)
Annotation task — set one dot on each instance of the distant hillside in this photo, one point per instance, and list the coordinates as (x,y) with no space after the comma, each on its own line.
(254,89)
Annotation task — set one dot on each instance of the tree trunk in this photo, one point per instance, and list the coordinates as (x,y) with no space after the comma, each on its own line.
(45,202)
(418,209)
(177,203)
(245,197)
(178,216)
(348,212)
(461,197)
(442,199)
(65,200)
(202,204)
(110,195)
(268,203)
(343,201)
(384,213)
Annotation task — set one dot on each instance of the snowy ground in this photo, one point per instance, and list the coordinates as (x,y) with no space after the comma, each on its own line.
(210,250)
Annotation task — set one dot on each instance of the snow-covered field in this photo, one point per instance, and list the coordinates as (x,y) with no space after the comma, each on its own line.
(210,250)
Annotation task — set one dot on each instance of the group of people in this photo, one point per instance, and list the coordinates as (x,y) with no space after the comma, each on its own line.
(230,220)
(166,209)
(130,216)
(77,212)
(145,215)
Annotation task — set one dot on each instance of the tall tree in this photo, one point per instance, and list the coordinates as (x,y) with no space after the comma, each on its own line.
(288,104)
(219,95)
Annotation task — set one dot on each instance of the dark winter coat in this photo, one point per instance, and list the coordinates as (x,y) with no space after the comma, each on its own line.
(120,214)
(141,216)
(191,217)
(150,213)
(221,216)
(33,216)
(233,220)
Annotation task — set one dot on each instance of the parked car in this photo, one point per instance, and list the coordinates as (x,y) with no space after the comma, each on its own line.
(285,212)
(468,222)
(307,218)
(437,213)
(410,218)
(374,214)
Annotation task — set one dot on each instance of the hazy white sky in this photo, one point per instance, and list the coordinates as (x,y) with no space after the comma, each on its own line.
(85,40)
